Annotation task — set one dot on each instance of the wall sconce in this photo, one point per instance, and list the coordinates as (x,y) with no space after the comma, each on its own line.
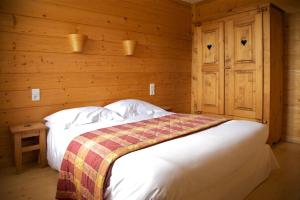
(129,47)
(77,42)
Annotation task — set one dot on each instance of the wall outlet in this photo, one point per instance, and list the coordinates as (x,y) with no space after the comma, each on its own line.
(35,94)
(152,89)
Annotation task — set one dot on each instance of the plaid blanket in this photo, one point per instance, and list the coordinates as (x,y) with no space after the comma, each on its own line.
(89,156)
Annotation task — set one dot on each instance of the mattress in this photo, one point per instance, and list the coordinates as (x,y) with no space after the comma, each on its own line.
(223,162)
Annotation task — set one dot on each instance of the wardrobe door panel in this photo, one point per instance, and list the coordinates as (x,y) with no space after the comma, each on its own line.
(243,53)
(243,43)
(244,90)
(210,46)
(211,73)
(210,81)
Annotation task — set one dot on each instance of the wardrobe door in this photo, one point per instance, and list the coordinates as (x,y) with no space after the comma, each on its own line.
(243,66)
(211,73)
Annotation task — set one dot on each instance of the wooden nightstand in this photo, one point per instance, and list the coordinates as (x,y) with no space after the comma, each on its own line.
(26,131)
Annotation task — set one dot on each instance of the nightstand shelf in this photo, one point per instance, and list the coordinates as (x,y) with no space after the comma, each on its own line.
(29,130)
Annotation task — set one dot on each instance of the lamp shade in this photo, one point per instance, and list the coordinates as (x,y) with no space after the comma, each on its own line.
(77,42)
(129,47)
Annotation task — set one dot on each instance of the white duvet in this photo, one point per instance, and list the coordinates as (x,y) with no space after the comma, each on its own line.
(224,162)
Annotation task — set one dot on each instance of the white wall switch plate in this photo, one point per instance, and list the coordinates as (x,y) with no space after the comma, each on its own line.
(35,94)
(152,89)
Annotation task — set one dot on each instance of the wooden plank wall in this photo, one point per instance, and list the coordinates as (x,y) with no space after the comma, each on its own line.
(292,77)
(35,53)
(291,122)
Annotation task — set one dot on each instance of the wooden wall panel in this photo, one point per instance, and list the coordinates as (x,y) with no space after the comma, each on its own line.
(291,107)
(211,8)
(77,16)
(292,78)
(35,53)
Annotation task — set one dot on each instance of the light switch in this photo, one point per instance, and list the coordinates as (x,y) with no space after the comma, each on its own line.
(152,89)
(35,94)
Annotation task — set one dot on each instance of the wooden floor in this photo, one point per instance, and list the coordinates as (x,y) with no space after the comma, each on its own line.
(40,183)
(284,183)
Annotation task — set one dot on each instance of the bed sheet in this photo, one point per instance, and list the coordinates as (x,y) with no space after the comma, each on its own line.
(228,160)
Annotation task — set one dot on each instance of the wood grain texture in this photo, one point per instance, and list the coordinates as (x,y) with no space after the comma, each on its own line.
(211,71)
(195,69)
(245,87)
(291,90)
(253,66)
(29,131)
(35,53)
(208,9)
(276,70)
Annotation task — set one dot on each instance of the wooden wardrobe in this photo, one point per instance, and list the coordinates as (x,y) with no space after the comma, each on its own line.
(237,67)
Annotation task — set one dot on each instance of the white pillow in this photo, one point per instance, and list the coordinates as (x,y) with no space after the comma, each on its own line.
(79,116)
(131,108)
(67,113)
(93,116)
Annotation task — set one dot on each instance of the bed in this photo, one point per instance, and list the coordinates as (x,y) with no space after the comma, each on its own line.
(226,161)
